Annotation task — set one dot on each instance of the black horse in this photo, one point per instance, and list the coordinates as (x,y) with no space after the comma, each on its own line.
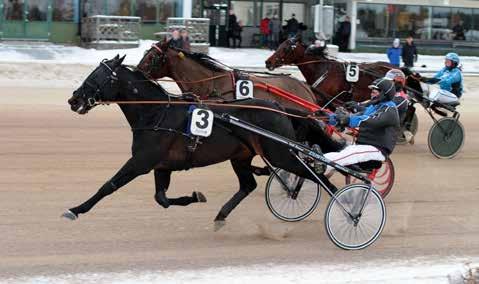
(162,143)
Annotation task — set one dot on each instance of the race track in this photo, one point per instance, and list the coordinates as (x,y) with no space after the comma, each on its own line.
(53,159)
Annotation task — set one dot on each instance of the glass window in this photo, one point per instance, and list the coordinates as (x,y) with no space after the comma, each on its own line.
(146,9)
(93,7)
(473,33)
(62,10)
(461,23)
(244,11)
(412,20)
(270,9)
(293,8)
(37,10)
(167,8)
(196,11)
(373,20)
(119,7)
(14,10)
(441,23)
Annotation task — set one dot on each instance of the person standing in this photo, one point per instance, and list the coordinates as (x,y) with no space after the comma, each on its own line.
(265,31)
(343,34)
(176,40)
(394,53)
(238,29)
(185,40)
(409,52)
(292,26)
(232,23)
(275,29)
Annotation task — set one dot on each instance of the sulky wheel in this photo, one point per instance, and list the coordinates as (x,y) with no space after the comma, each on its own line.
(382,178)
(446,138)
(285,201)
(349,224)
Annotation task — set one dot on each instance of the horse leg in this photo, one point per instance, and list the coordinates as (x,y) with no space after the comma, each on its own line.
(247,183)
(162,182)
(133,167)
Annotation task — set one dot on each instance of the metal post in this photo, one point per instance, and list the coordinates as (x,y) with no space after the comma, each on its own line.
(187,8)
(354,15)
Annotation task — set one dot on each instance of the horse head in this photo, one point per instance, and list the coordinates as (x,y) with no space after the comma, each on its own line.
(100,85)
(289,52)
(154,61)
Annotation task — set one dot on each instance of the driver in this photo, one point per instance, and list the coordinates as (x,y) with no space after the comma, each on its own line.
(449,79)
(378,124)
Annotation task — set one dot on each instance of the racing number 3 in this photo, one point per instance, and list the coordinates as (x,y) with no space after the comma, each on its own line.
(201,122)
(203,116)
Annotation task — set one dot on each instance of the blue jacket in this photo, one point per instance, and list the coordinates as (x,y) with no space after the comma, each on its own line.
(394,55)
(450,80)
(378,125)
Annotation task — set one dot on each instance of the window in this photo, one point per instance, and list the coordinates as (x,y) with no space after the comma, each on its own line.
(270,9)
(373,20)
(37,10)
(244,11)
(461,22)
(167,9)
(293,8)
(473,33)
(63,10)
(93,7)
(13,10)
(119,7)
(146,9)
(412,20)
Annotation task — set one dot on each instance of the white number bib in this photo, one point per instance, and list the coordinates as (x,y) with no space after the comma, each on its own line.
(201,122)
(352,73)
(244,89)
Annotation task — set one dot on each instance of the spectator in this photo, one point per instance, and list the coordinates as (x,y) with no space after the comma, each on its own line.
(265,31)
(185,40)
(175,40)
(237,34)
(232,23)
(292,26)
(458,31)
(275,29)
(343,33)
(394,53)
(409,52)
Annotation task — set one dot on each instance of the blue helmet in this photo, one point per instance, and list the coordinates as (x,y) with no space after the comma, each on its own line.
(453,57)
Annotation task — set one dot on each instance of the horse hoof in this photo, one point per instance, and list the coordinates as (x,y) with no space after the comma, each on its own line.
(199,196)
(162,200)
(219,224)
(70,215)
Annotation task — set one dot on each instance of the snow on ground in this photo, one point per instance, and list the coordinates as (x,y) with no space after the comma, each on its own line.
(413,271)
(243,57)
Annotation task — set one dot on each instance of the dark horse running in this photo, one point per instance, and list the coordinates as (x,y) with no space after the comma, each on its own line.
(326,74)
(161,142)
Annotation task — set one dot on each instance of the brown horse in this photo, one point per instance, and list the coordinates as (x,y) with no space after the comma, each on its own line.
(206,77)
(326,75)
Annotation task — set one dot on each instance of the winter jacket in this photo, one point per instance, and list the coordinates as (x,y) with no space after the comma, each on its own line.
(409,54)
(264,26)
(275,26)
(394,55)
(449,80)
(378,126)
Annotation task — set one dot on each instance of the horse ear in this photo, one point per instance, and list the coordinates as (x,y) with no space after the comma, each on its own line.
(116,57)
(120,61)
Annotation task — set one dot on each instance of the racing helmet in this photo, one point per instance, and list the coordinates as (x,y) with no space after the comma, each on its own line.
(454,58)
(386,90)
(397,76)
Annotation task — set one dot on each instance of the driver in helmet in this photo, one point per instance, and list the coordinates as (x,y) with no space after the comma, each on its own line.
(449,79)
(378,124)
(401,100)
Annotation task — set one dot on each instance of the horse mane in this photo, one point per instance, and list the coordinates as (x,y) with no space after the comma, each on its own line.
(140,76)
(204,59)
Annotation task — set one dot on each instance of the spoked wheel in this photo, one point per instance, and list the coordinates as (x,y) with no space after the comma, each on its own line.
(285,201)
(446,138)
(349,224)
(412,127)
(382,179)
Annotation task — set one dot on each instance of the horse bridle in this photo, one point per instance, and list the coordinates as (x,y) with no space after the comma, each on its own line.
(96,98)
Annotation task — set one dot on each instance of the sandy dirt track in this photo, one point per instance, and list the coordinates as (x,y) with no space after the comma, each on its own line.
(53,159)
